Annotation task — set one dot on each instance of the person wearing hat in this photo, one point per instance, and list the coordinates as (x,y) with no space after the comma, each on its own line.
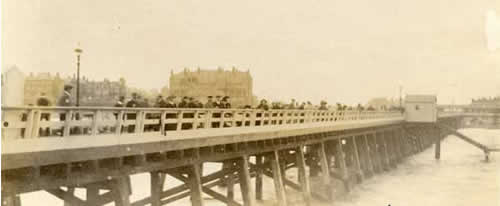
(263,105)
(323,105)
(184,103)
(217,102)
(210,103)
(65,99)
(225,103)
(160,102)
(170,102)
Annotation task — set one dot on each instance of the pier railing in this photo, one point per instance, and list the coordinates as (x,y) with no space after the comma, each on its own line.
(40,122)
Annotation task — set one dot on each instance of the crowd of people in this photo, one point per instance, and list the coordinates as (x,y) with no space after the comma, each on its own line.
(220,102)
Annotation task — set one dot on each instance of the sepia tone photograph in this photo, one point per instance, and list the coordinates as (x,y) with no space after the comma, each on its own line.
(250,103)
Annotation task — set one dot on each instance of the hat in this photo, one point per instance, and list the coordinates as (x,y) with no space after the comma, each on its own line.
(185,97)
(209,96)
(68,86)
(218,96)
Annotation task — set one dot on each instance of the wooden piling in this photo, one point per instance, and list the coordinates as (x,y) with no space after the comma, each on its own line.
(259,162)
(157,179)
(368,154)
(303,177)
(121,192)
(92,195)
(245,181)
(356,158)
(195,185)
(278,181)
(71,190)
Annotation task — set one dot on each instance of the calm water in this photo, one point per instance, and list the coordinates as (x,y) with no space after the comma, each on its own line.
(459,178)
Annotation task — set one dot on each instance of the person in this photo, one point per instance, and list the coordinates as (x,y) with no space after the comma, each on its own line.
(217,102)
(292,104)
(120,102)
(225,103)
(133,102)
(323,105)
(210,103)
(302,106)
(43,101)
(65,101)
(263,105)
(184,103)
(192,103)
(132,116)
(160,102)
(170,102)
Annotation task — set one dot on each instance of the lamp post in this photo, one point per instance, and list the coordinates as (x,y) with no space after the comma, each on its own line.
(78,51)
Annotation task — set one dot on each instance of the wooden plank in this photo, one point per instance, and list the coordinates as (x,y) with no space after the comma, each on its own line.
(245,182)
(278,179)
(303,177)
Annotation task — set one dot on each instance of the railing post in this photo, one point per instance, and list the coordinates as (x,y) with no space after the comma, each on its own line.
(179,120)
(94,122)
(67,123)
(119,122)
(36,124)
(163,119)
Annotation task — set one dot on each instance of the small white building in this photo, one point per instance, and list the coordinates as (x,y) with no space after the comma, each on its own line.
(421,108)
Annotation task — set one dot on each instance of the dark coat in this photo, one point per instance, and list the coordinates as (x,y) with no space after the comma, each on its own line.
(65,100)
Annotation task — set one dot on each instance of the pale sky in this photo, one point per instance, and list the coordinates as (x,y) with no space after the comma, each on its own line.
(346,51)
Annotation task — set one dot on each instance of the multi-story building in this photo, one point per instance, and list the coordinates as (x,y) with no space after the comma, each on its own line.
(13,87)
(202,83)
(98,93)
(35,85)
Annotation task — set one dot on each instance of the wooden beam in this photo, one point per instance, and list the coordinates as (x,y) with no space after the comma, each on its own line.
(121,191)
(245,182)
(156,187)
(303,177)
(368,154)
(67,196)
(195,185)
(278,179)
(343,167)
(356,158)
(259,161)
(92,194)
(71,190)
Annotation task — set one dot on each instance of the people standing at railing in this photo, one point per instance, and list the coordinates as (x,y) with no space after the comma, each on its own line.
(225,103)
(217,102)
(132,116)
(263,105)
(184,103)
(160,102)
(210,103)
(120,102)
(291,105)
(323,105)
(65,101)
(43,101)
(170,102)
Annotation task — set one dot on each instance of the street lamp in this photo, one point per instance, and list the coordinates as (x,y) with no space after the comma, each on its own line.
(78,51)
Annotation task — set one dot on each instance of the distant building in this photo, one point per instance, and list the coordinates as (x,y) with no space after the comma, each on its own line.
(13,87)
(202,83)
(98,93)
(34,85)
